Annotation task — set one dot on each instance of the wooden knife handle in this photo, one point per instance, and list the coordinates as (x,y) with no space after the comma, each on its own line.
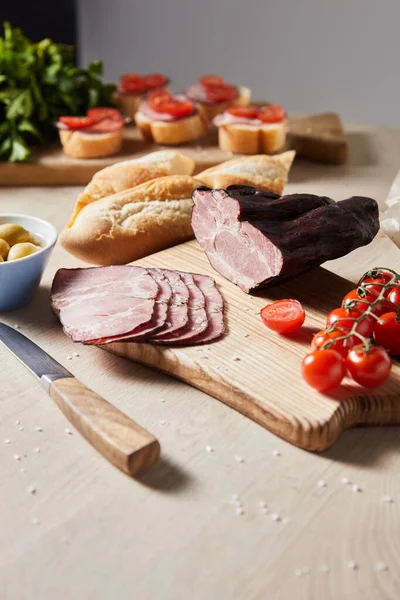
(119,439)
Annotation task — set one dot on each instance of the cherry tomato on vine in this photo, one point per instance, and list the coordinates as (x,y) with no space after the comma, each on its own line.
(361,303)
(387,333)
(323,369)
(368,368)
(283,316)
(373,285)
(344,319)
(394,296)
(341,346)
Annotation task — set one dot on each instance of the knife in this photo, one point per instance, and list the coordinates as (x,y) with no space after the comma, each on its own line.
(119,439)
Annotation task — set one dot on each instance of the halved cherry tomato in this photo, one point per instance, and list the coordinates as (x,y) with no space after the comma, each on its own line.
(368,368)
(175,108)
(272,114)
(248,112)
(283,316)
(212,81)
(342,346)
(100,112)
(323,369)
(155,80)
(344,319)
(387,333)
(77,122)
(394,296)
(225,93)
(132,83)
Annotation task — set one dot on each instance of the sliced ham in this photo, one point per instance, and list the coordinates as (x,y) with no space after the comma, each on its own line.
(197,316)
(177,316)
(103,302)
(214,309)
(255,238)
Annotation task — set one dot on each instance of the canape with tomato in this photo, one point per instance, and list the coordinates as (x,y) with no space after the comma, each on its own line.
(98,133)
(214,95)
(252,129)
(133,87)
(170,119)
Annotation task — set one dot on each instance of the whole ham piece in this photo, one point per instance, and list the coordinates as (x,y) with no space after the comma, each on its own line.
(256,238)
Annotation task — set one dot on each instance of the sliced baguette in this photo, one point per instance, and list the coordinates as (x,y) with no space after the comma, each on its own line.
(127,104)
(172,133)
(246,139)
(243,99)
(91,145)
(265,172)
(133,223)
(130,173)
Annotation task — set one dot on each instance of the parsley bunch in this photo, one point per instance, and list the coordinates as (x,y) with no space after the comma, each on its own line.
(39,82)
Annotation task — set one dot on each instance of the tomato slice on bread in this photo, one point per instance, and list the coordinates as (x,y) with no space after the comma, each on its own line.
(155,80)
(272,114)
(212,81)
(101,112)
(132,83)
(223,93)
(176,109)
(77,122)
(247,112)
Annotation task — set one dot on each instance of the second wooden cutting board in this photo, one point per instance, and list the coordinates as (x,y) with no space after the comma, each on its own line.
(256,371)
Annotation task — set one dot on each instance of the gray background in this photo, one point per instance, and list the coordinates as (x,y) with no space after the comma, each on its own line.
(309,55)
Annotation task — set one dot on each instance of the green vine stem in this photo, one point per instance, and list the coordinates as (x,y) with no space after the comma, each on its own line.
(362,291)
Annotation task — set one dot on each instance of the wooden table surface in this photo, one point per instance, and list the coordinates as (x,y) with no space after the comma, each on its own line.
(89,532)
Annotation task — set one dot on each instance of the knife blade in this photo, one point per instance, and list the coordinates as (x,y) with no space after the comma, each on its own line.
(118,438)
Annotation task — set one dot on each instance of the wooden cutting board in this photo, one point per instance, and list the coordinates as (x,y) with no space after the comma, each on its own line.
(265,383)
(320,137)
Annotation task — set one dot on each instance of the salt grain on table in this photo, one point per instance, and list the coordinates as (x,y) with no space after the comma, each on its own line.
(35,521)
(75,354)
(352,565)
(275,517)
(22,470)
(239,459)
(239,510)
(17,326)
(31,490)
(236,358)
(355,488)
(67,431)
(324,569)
(162,399)
(381,566)
(162,422)
(209,449)
(7,441)
(69,357)
(345,481)
(246,335)
(37,450)
(387,499)
(17,457)
(38,428)
(276,453)
(322,483)
(21,428)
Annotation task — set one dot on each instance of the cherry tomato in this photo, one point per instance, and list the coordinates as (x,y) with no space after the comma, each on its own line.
(175,108)
(373,285)
(368,368)
(77,122)
(212,81)
(155,80)
(387,333)
(344,319)
(361,303)
(283,316)
(341,346)
(101,112)
(248,112)
(394,296)
(323,369)
(132,83)
(272,114)
(225,93)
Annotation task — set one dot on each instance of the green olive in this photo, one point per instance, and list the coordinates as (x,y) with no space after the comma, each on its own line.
(4,248)
(14,234)
(22,250)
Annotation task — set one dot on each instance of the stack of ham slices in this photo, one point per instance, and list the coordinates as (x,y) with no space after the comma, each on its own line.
(100,305)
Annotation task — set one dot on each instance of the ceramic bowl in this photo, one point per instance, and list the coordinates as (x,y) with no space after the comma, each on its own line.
(19,279)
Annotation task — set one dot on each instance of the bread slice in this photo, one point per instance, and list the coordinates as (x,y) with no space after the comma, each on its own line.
(127,104)
(133,223)
(248,139)
(172,133)
(319,137)
(265,172)
(130,173)
(243,99)
(78,144)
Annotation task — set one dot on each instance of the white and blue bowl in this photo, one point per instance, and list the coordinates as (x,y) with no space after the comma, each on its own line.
(19,279)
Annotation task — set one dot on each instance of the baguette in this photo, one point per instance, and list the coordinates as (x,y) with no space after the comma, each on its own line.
(242,99)
(128,104)
(246,139)
(91,145)
(172,133)
(268,173)
(130,173)
(134,223)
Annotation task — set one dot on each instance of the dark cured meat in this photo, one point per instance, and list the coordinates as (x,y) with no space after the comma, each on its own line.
(257,239)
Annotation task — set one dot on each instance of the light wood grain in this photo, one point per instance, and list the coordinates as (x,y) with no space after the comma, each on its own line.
(50,166)
(101,535)
(120,440)
(264,383)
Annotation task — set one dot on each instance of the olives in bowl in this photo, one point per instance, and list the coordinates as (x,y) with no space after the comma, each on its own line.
(26,243)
